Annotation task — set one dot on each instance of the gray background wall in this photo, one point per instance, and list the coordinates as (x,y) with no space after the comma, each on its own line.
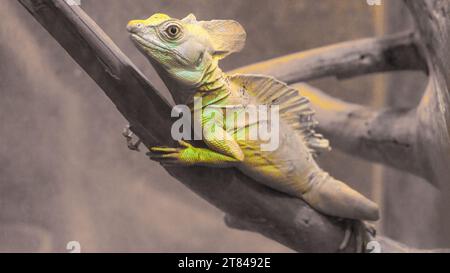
(65,171)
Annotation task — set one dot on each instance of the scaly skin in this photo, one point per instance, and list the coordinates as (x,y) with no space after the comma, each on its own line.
(186,54)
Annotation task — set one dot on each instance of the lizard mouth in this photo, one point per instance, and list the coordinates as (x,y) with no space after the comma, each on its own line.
(151,45)
(146,44)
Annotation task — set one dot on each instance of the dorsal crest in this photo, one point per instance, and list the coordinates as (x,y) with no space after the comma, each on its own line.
(294,108)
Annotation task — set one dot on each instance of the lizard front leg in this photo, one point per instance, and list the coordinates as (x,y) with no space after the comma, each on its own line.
(188,155)
(223,150)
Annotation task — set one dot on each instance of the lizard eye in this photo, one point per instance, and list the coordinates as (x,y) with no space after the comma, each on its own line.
(173,31)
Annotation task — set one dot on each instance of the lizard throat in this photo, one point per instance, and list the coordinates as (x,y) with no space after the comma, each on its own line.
(214,86)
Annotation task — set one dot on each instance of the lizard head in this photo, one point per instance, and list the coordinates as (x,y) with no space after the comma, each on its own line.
(185,50)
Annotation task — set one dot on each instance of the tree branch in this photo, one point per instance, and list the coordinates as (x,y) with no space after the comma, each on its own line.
(345,60)
(386,136)
(287,220)
(433,24)
(416,140)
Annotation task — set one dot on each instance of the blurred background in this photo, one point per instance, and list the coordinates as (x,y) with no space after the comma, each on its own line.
(67,175)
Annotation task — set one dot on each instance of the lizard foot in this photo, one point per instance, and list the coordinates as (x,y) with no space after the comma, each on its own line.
(185,155)
(364,233)
(128,134)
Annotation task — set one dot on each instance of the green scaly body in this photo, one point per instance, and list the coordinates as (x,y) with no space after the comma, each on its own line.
(186,53)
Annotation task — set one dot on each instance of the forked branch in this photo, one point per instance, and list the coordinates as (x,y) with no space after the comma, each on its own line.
(287,220)
(386,136)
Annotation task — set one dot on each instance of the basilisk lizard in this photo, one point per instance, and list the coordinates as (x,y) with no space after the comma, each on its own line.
(186,54)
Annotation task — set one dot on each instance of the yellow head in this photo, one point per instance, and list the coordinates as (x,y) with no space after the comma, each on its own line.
(183,50)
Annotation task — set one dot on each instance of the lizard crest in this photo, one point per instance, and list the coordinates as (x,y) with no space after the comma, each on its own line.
(187,51)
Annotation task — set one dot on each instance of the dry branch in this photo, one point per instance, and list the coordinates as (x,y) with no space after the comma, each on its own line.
(386,136)
(433,116)
(345,60)
(287,220)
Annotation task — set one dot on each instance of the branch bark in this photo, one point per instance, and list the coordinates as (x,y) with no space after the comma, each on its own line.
(433,121)
(287,220)
(415,140)
(345,60)
(387,136)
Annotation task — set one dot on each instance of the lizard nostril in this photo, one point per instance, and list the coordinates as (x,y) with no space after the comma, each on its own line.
(133,26)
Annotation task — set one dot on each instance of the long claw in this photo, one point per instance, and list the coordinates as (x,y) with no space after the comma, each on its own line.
(360,245)
(347,236)
(164,149)
(164,156)
(169,160)
(184,144)
(363,234)
(371,230)
(168,156)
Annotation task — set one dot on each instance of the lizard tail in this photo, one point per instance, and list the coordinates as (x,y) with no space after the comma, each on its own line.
(333,197)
